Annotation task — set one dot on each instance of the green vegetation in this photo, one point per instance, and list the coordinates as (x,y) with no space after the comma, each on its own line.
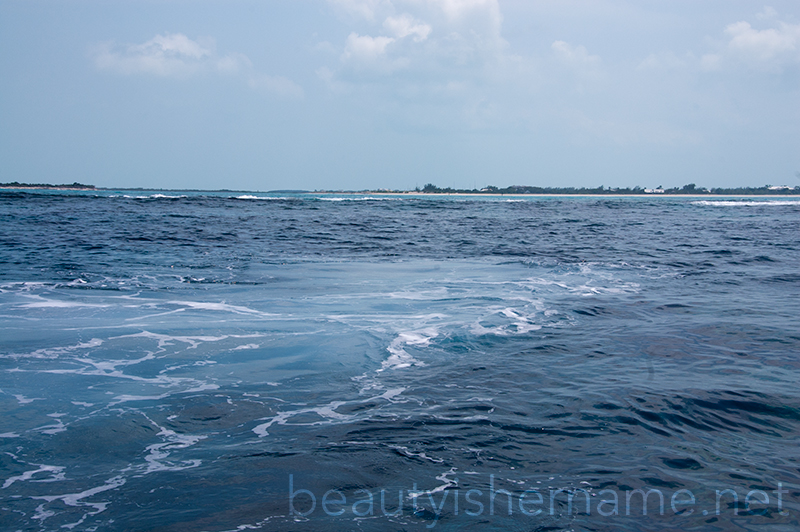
(16,184)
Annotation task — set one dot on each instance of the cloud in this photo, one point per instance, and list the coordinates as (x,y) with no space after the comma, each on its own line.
(174,55)
(405,25)
(168,55)
(742,46)
(460,8)
(771,49)
(365,48)
(429,35)
(428,59)
(771,46)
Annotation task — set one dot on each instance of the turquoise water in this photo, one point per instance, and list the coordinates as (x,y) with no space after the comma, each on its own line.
(239,361)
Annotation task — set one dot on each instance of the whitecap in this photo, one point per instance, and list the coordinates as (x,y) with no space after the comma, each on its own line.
(361,198)
(399,358)
(263,198)
(163,196)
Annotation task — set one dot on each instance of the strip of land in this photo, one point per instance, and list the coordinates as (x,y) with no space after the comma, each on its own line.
(515,190)
(47,186)
(524,190)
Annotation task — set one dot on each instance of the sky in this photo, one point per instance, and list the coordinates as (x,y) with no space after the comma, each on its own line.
(369,94)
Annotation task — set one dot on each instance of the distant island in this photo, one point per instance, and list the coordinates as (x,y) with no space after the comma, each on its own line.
(47,186)
(688,190)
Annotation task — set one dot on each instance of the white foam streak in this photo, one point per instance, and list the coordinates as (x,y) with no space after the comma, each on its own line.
(448,483)
(53,429)
(76,500)
(327,411)
(56,352)
(246,346)
(156,460)
(410,454)
(56,471)
(52,303)
(390,394)
(25,400)
(166,339)
(221,307)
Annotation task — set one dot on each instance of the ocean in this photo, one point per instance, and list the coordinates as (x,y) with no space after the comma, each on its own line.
(187,361)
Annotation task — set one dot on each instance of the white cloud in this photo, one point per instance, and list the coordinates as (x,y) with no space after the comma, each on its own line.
(460,8)
(169,55)
(174,55)
(429,35)
(431,58)
(177,44)
(770,46)
(405,25)
(770,49)
(364,47)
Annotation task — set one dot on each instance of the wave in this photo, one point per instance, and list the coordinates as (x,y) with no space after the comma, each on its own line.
(263,198)
(363,198)
(150,196)
(745,203)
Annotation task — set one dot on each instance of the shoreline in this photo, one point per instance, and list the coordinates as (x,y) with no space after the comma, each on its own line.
(49,188)
(412,193)
(482,194)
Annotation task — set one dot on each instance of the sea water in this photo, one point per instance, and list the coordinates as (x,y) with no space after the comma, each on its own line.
(230,361)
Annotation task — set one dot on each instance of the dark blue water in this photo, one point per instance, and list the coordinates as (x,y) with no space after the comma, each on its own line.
(197,361)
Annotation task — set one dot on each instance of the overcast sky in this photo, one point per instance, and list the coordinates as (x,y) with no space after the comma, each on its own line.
(353,94)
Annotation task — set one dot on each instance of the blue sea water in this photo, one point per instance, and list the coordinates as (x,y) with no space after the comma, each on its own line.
(230,361)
